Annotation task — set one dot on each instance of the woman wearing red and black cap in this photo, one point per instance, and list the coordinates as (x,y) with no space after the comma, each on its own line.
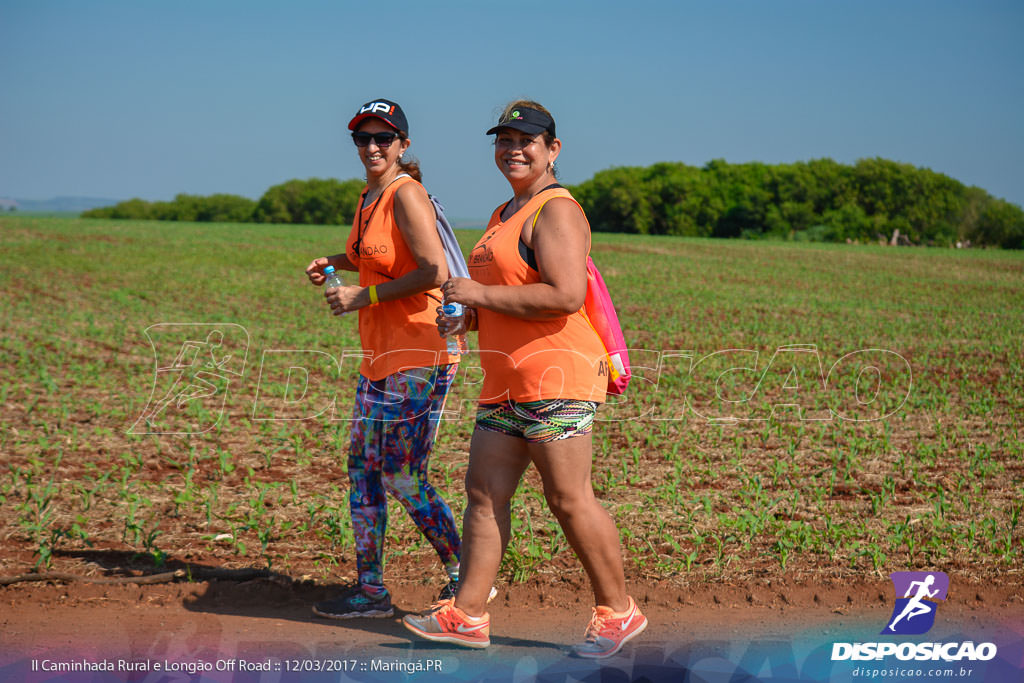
(395,248)
(543,378)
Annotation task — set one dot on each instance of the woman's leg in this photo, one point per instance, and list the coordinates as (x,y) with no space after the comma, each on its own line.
(407,447)
(367,500)
(564,467)
(368,507)
(496,463)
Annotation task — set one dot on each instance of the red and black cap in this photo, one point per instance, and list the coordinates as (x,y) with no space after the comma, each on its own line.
(526,119)
(387,111)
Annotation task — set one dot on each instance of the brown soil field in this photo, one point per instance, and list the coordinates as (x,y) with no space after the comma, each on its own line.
(753,546)
(777,629)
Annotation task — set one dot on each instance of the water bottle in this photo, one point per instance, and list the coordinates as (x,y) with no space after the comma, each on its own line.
(333,280)
(456,342)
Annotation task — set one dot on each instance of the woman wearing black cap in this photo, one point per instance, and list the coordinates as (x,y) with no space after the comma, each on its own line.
(395,248)
(543,379)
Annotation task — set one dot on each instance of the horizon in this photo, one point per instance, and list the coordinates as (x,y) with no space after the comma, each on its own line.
(103,102)
(458,222)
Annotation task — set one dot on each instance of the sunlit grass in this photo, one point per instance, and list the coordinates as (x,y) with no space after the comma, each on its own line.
(937,483)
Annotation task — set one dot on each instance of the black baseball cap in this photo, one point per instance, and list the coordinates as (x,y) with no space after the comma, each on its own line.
(526,119)
(387,111)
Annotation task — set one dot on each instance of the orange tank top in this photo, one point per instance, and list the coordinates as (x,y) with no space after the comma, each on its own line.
(531,360)
(395,334)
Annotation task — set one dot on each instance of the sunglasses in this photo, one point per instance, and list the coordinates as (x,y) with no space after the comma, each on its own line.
(383,140)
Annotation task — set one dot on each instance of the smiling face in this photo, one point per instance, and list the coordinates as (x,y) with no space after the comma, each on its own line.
(380,161)
(524,159)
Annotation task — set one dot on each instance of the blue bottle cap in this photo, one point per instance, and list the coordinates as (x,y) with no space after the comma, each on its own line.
(328,270)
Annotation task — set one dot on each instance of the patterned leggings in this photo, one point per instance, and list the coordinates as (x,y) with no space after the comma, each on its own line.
(393,430)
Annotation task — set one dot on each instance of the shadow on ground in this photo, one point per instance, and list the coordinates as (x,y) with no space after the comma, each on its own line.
(256,593)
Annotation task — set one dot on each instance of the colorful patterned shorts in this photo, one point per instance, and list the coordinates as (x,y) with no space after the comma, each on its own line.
(538,421)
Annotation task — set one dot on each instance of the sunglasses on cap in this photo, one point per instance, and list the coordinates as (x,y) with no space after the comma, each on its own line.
(383,140)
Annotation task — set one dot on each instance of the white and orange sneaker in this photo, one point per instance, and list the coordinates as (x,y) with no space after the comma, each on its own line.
(608,631)
(446,623)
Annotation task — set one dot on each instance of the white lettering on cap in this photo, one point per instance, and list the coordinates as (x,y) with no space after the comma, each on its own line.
(374,107)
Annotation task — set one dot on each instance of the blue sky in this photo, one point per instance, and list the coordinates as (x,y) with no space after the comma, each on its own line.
(130,99)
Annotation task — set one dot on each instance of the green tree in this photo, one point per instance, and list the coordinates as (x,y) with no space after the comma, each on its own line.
(132,209)
(225,208)
(312,201)
(1001,223)
(831,200)
(616,200)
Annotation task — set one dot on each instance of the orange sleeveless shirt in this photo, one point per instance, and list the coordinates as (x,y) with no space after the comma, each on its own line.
(531,360)
(395,334)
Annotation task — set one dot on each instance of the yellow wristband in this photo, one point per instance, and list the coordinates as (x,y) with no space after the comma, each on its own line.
(373,295)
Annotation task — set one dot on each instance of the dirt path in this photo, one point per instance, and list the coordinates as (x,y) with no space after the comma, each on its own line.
(775,632)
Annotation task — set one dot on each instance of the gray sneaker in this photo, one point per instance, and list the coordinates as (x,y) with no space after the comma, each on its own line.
(354,603)
(448,592)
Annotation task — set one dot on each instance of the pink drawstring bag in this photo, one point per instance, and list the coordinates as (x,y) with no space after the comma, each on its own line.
(601,312)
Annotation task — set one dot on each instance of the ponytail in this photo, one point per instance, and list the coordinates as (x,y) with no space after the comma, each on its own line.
(412,167)
(409,164)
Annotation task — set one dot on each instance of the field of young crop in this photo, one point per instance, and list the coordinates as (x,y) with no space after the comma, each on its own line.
(177,393)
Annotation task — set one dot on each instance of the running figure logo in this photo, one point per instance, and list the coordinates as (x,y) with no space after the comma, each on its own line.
(914,612)
(195,364)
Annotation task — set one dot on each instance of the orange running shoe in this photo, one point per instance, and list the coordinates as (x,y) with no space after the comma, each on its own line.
(446,623)
(607,631)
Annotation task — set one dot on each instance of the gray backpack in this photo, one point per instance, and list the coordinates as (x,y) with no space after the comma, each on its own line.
(456,261)
(452,252)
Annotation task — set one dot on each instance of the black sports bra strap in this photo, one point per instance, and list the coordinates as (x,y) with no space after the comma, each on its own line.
(552,186)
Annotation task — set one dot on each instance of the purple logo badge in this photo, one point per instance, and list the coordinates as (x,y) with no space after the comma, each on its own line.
(917,594)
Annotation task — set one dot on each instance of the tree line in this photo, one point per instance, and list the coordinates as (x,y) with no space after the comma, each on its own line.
(818,200)
(317,201)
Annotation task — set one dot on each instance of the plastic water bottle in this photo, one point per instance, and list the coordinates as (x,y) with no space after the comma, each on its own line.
(333,280)
(456,342)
